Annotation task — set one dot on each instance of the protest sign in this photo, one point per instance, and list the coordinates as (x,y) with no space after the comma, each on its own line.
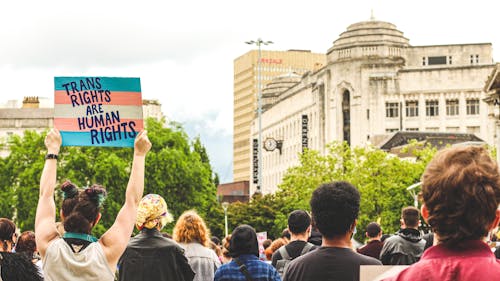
(98,111)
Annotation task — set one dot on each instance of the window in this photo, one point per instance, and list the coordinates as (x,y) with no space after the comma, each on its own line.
(412,129)
(423,60)
(471,59)
(452,107)
(450,60)
(473,107)
(432,129)
(477,58)
(391,130)
(437,60)
(473,129)
(452,129)
(431,108)
(411,108)
(391,109)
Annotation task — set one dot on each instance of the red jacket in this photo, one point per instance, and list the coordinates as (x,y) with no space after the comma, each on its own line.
(475,262)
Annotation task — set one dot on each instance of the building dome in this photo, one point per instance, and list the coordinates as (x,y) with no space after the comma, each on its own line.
(371,33)
(276,87)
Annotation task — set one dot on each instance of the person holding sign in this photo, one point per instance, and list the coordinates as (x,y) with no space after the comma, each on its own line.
(78,255)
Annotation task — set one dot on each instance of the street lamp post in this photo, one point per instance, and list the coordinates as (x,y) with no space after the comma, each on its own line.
(224,206)
(258,43)
(414,193)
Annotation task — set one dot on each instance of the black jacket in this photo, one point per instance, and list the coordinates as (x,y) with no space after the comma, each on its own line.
(404,248)
(150,256)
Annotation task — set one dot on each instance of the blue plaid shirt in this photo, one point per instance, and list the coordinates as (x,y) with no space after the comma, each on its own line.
(259,270)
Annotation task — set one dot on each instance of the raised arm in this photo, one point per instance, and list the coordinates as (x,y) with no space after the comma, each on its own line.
(45,220)
(115,240)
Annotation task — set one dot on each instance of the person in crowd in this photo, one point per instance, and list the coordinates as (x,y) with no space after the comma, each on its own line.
(285,234)
(461,196)
(429,240)
(193,235)
(215,240)
(374,245)
(217,250)
(225,258)
(384,237)
(26,245)
(407,246)
(267,243)
(244,249)
(299,226)
(315,237)
(335,208)
(84,257)
(14,266)
(149,249)
(275,245)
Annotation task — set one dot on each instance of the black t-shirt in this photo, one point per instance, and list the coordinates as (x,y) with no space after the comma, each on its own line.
(293,248)
(328,264)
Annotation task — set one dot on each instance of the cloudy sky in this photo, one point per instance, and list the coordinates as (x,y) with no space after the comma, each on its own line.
(183,51)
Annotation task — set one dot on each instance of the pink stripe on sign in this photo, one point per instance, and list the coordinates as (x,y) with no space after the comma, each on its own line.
(85,124)
(94,97)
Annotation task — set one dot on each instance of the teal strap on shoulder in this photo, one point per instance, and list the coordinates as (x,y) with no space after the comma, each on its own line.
(81,236)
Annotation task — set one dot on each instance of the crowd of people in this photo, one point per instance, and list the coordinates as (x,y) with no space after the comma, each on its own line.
(460,201)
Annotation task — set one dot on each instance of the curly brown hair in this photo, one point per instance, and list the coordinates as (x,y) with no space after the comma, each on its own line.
(461,191)
(190,227)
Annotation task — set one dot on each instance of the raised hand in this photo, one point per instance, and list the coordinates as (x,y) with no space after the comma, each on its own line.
(142,144)
(53,141)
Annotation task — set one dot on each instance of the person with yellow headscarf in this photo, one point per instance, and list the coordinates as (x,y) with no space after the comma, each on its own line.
(149,255)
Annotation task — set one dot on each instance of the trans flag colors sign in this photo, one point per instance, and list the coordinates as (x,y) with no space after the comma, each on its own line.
(98,111)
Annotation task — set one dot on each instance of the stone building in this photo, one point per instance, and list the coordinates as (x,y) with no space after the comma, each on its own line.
(374,83)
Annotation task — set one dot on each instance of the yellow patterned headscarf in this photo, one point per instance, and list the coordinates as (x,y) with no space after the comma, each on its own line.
(152,211)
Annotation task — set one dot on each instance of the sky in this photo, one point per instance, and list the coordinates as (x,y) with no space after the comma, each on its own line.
(183,51)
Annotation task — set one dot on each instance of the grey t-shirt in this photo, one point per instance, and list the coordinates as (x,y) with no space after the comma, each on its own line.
(328,264)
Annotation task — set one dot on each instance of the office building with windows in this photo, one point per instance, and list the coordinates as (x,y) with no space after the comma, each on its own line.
(374,83)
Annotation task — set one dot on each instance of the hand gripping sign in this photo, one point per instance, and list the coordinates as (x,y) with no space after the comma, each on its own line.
(98,111)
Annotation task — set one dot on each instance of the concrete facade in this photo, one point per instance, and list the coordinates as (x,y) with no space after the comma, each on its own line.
(376,83)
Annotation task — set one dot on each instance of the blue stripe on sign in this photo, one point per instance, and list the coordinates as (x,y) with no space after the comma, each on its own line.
(120,84)
(121,139)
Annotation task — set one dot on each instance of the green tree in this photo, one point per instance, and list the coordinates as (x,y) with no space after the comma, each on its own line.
(175,169)
(381,178)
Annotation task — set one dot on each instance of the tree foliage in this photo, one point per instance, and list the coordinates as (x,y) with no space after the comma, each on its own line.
(177,169)
(381,178)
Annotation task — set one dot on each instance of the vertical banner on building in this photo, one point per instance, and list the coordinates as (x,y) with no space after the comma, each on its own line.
(98,111)
(305,141)
(255,157)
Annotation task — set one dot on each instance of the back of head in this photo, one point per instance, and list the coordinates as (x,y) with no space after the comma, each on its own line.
(190,227)
(152,213)
(411,216)
(7,229)
(298,221)
(373,229)
(26,243)
(285,234)
(461,191)
(243,241)
(334,208)
(81,208)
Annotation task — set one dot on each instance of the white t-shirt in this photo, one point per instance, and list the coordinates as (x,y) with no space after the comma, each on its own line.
(61,263)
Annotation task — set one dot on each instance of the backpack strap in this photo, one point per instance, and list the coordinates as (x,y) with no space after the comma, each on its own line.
(284,253)
(307,248)
(243,269)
